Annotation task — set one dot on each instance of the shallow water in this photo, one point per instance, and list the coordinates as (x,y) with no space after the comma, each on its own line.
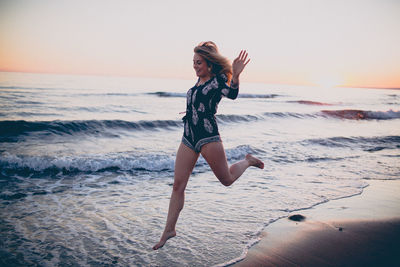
(86,166)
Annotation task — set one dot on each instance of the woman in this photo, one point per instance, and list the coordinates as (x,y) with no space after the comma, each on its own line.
(217,79)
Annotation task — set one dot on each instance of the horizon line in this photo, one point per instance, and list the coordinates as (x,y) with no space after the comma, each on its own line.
(181,78)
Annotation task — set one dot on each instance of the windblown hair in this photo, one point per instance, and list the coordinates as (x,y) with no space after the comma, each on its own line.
(218,63)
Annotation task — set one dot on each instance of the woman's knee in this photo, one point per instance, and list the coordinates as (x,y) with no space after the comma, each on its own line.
(179,187)
(226,181)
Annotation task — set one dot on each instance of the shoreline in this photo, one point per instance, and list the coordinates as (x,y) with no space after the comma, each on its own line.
(359,230)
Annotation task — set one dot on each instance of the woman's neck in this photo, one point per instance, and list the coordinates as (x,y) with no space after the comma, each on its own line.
(203,79)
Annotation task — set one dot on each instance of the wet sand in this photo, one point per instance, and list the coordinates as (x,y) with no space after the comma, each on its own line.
(362,230)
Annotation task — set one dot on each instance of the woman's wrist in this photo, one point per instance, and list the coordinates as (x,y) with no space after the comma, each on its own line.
(235,79)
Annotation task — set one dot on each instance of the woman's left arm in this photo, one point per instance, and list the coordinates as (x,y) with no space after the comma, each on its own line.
(231,91)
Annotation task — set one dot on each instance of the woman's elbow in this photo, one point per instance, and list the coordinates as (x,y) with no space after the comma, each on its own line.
(233,96)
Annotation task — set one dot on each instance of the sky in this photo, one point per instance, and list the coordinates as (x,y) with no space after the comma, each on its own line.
(320,42)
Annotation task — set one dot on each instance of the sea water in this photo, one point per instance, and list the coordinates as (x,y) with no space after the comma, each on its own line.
(86,166)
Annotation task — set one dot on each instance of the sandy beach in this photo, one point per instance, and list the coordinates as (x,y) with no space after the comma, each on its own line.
(362,230)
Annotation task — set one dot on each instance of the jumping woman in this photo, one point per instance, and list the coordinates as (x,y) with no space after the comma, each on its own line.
(217,79)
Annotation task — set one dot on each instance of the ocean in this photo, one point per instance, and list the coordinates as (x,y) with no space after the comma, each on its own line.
(86,166)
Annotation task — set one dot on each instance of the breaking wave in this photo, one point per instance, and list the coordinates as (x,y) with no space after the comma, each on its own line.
(10,131)
(26,165)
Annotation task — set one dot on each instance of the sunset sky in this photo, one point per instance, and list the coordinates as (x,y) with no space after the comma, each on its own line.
(342,42)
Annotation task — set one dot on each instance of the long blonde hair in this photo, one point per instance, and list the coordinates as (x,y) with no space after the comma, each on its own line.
(218,63)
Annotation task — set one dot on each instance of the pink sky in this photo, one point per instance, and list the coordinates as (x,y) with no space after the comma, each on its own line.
(353,43)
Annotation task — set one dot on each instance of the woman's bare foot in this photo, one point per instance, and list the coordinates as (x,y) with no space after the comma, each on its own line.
(253,161)
(164,238)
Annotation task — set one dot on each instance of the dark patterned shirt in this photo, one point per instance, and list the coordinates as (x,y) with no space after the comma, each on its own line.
(201,106)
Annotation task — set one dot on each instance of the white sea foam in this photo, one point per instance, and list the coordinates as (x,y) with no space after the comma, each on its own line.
(93,163)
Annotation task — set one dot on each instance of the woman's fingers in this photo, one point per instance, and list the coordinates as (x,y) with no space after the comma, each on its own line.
(245,55)
(238,58)
(242,55)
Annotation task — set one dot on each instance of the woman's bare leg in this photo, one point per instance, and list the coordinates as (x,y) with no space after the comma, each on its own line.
(214,154)
(184,164)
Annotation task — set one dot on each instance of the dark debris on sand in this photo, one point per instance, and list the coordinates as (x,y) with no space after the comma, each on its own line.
(297,218)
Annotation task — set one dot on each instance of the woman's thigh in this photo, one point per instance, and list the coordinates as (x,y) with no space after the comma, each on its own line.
(214,154)
(185,161)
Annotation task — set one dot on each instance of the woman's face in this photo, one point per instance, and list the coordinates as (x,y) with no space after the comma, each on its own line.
(200,66)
